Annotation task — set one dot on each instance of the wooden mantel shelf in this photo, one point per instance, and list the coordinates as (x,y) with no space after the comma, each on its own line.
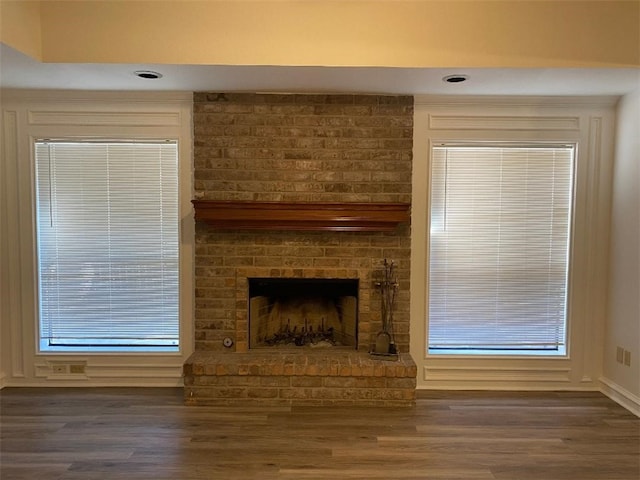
(340,217)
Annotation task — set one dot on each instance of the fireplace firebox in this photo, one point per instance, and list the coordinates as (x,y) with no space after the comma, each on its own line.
(303,312)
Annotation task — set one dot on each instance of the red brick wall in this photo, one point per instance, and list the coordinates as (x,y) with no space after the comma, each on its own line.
(306,148)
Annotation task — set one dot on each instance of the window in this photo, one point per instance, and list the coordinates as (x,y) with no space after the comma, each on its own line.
(107,245)
(499,249)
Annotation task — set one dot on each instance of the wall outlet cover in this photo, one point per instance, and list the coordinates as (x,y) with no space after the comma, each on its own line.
(627,358)
(619,354)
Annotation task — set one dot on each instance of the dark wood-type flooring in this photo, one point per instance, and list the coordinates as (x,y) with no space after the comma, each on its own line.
(116,433)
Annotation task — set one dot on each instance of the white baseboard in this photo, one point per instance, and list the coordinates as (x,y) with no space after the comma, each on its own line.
(620,395)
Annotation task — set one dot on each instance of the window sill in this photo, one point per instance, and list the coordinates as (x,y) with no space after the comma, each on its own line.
(98,350)
(456,353)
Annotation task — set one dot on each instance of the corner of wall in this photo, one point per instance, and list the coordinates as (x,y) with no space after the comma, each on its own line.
(621,362)
(21,27)
(620,395)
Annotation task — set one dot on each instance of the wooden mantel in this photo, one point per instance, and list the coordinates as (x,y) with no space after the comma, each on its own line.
(340,217)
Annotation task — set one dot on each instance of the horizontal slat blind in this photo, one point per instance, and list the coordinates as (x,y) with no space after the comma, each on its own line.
(500,223)
(107,219)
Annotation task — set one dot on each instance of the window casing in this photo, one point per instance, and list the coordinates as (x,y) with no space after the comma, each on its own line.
(499,248)
(107,245)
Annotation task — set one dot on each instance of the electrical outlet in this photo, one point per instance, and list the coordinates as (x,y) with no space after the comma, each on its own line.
(59,369)
(627,358)
(76,368)
(619,354)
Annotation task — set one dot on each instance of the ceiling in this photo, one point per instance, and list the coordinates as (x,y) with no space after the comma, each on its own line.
(20,71)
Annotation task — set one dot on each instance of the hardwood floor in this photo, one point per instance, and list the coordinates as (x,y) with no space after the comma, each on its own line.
(116,433)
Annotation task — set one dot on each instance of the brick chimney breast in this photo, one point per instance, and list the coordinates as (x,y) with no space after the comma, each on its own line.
(298,148)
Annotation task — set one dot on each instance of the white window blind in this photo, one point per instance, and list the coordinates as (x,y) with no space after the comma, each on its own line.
(107,225)
(499,248)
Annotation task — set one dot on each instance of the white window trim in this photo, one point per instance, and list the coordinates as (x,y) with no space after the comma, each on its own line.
(31,115)
(587,122)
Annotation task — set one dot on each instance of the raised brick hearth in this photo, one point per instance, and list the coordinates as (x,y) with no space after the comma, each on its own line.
(343,149)
(302,378)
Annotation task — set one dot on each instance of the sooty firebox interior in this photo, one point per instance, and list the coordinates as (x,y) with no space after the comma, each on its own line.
(303,312)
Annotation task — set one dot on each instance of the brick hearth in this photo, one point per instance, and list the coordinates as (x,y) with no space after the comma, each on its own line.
(299,148)
(300,378)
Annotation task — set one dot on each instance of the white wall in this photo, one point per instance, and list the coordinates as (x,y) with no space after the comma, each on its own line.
(589,122)
(623,313)
(29,115)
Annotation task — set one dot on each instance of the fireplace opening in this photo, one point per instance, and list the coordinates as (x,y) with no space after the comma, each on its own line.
(303,312)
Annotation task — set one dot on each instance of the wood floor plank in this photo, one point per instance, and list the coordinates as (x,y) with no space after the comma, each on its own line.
(135,434)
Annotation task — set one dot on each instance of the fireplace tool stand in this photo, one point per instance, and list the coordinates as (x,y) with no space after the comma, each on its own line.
(385,344)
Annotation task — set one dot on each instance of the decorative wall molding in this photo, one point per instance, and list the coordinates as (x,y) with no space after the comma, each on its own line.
(10,252)
(28,115)
(584,121)
(496,375)
(93,118)
(72,98)
(520,101)
(597,221)
(98,372)
(503,122)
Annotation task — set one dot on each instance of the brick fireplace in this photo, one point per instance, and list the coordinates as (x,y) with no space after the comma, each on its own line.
(305,150)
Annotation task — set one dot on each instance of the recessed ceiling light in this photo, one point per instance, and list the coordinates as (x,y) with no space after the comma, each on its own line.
(455,78)
(147,74)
